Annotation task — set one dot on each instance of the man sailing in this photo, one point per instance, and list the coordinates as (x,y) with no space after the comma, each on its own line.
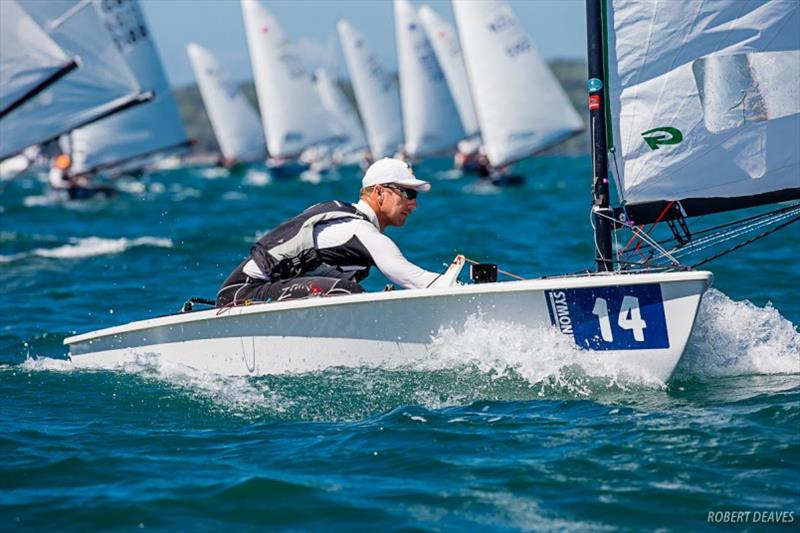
(329,248)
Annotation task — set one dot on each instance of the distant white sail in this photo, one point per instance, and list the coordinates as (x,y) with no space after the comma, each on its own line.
(30,59)
(376,93)
(444,40)
(102,84)
(141,131)
(430,119)
(712,111)
(291,112)
(235,122)
(521,107)
(346,121)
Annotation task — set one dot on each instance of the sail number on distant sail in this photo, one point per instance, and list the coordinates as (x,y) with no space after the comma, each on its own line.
(611,318)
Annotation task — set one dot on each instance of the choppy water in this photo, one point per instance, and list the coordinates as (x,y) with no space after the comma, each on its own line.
(501,429)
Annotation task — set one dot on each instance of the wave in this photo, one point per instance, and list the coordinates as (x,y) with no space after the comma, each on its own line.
(733,338)
(80,248)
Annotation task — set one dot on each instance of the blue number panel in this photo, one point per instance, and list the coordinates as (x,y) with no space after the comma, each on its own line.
(573,312)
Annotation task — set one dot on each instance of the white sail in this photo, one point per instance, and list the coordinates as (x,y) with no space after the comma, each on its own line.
(376,93)
(30,59)
(141,131)
(291,112)
(430,119)
(521,107)
(101,85)
(711,108)
(444,40)
(235,122)
(345,120)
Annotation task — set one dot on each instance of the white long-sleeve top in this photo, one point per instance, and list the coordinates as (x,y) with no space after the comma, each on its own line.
(384,252)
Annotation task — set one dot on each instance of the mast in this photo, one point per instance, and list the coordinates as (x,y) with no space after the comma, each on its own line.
(597,129)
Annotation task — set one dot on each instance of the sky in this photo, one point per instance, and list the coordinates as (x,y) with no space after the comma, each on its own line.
(556,26)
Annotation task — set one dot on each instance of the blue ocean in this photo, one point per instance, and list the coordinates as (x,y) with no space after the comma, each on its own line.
(499,430)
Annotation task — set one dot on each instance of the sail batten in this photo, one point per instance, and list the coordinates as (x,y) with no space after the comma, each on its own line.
(704,102)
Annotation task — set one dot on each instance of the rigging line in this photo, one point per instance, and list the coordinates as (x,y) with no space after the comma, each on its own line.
(740,245)
(645,237)
(735,232)
(762,218)
(664,212)
(468,260)
(734,235)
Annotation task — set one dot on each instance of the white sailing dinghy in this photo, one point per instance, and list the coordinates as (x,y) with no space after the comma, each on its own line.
(521,107)
(639,321)
(345,120)
(444,41)
(291,112)
(430,120)
(135,136)
(236,124)
(102,85)
(31,61)
(376,91)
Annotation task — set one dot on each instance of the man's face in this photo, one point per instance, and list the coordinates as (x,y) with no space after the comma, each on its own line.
(395,207)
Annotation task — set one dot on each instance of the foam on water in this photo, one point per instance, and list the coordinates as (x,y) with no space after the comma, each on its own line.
(542,356)
(737,339)
(256,178)
(89,247)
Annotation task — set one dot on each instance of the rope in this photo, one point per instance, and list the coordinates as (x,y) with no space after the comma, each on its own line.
(745,243)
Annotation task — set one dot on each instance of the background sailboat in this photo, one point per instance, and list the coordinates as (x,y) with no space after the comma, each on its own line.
(430,120)
(102,85)
(291,112)
(31,60)
(521,107)
(376,93)
(235,122)
(138,134)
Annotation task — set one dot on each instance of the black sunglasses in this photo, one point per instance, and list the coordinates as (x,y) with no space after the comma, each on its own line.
(408,194)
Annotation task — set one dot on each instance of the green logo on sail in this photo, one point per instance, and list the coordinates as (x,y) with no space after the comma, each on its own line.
(658,136)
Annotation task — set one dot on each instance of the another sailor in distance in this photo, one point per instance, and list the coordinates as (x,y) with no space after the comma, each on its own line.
(328,248)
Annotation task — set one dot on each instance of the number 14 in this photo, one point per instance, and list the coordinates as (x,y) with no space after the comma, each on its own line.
(630,318)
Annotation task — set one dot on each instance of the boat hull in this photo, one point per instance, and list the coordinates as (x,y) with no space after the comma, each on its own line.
(646,326)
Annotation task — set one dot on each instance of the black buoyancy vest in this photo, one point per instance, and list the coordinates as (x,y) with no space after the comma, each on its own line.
(288,250)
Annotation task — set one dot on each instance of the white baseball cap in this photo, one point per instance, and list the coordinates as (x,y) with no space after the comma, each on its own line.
(388,170)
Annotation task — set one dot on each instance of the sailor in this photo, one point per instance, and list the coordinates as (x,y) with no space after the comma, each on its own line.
(329,248)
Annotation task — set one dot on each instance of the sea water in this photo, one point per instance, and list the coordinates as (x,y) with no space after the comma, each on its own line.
(501,428)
